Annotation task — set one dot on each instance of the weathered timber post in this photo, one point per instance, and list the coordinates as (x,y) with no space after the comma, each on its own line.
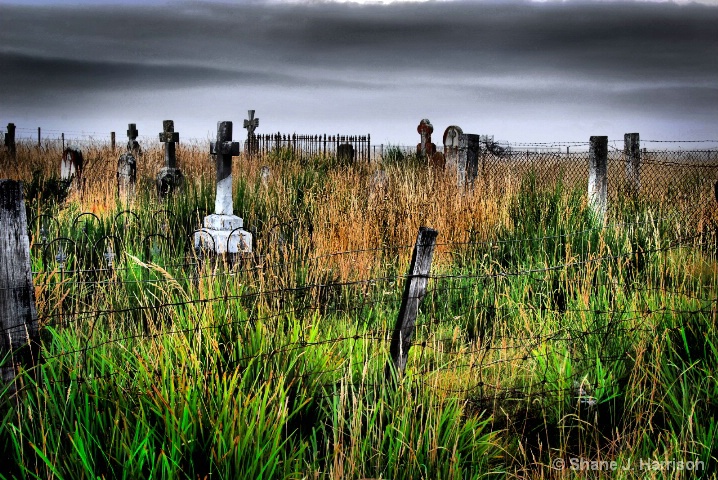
(19,334)
(39,138)
(112,141)
(414,290)
(598,174)
(632,154)
(10,139)
(170,177)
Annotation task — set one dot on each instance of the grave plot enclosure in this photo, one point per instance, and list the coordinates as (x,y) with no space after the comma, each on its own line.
(316,145)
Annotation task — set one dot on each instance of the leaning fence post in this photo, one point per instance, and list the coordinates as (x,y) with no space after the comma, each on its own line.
(598,174)
(414,290)
(19,334)
(632,154)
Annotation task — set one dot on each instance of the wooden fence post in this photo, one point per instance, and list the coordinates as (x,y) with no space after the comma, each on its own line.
(39,138)
(112,141)
(632,154)
(598,174)
(10,139)
(414,290)
(19,334)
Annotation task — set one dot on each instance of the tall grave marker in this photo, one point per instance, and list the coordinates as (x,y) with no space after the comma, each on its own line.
(223,232)
(127,165)
(425,147)
(132,144)
(461,151)
(170,177)
(251,125)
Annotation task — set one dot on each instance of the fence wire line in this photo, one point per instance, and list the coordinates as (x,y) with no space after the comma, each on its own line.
(372,281)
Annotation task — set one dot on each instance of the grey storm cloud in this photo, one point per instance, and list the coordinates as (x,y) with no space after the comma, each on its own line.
(620,41)
(655,57)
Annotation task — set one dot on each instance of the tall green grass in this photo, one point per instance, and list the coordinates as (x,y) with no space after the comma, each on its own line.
(549,334)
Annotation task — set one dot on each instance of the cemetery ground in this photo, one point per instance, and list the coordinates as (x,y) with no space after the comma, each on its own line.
(549,343)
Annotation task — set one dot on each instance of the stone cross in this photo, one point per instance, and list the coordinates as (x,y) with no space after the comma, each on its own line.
(127,165)
(169,137)
(425,148)
(132,144)
(223,230)
(224,149)
(170,177)
(251,125)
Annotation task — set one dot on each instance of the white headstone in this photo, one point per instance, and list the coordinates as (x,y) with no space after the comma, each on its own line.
(222,230)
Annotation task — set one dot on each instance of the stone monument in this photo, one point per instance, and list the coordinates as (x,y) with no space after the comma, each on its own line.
(170,177)
(222,230)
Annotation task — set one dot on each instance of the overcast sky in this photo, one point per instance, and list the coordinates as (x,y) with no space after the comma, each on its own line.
(522,71)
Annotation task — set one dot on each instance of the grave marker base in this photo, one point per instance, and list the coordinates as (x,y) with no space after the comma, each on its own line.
(223,234)
(169,180)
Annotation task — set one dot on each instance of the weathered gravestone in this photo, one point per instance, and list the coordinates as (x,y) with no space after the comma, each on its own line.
(126,176)
(127,165)
(252,145)
(170,177)
(451,151)
(71,165)
(222,230)
(345,153)
(462,153)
